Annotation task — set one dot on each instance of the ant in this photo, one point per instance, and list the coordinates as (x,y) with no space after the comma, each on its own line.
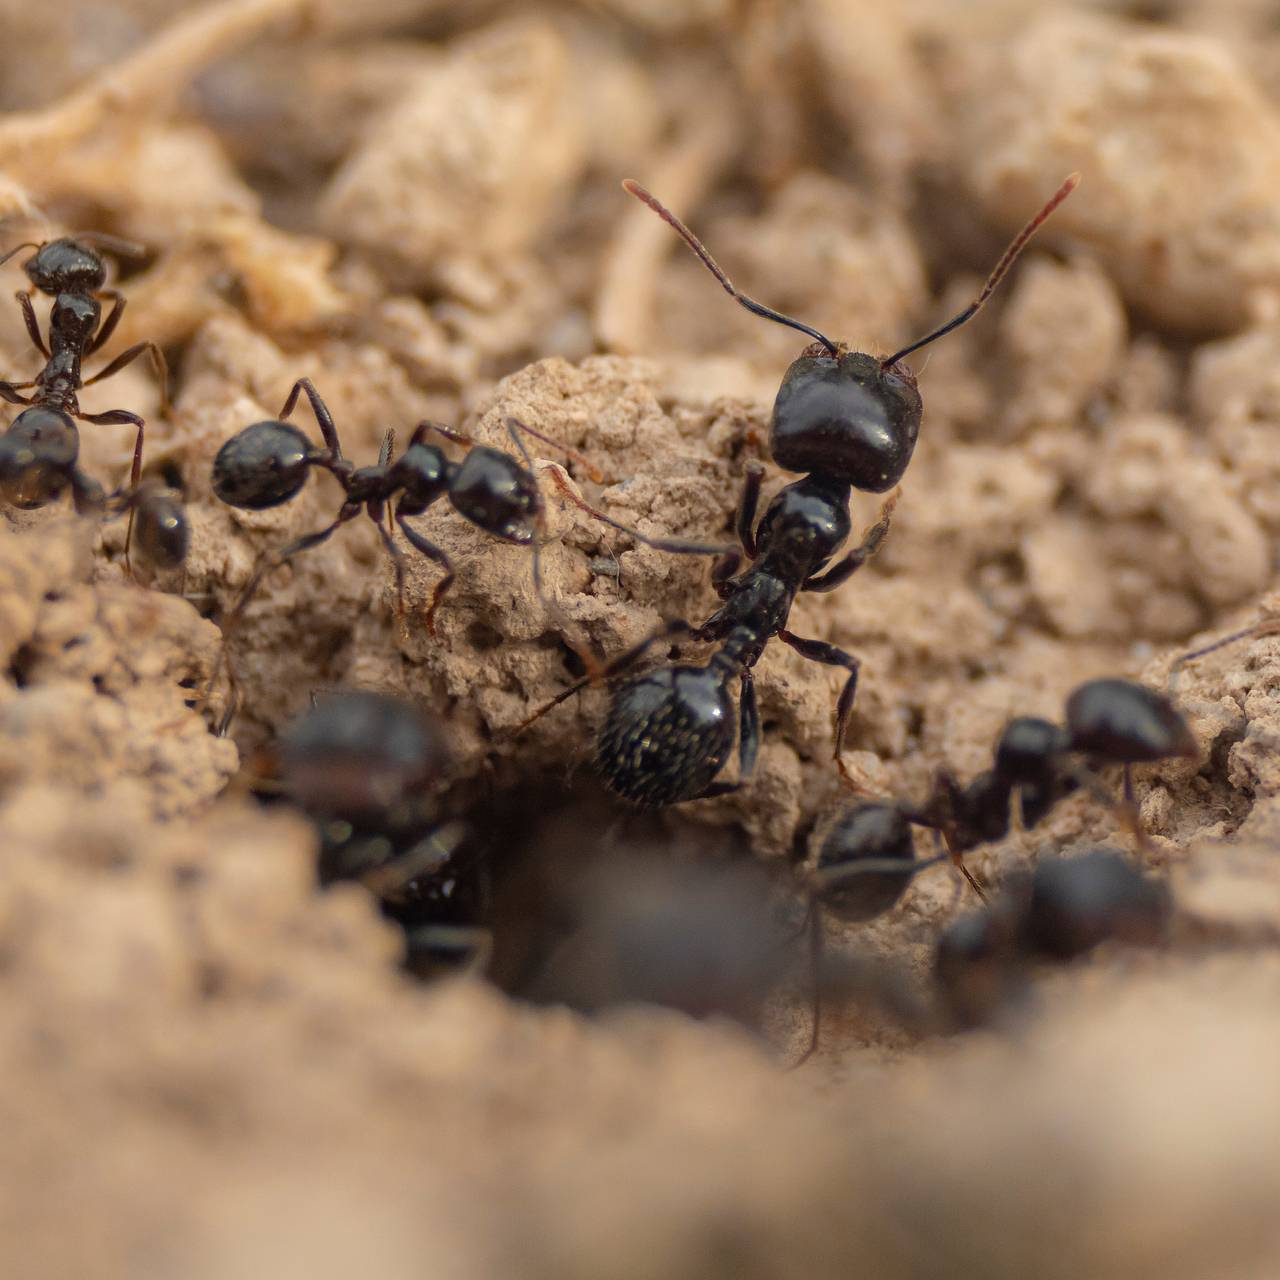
(38,456)
(850,421)
(1070,907)
(267,464)
(72,272)
(868,858)
(359,764)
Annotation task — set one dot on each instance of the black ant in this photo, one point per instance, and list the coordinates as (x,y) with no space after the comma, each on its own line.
(38,456)
(73,273)
(1070,907)
(267,464)
(848,419)
(360,765)
(868,858)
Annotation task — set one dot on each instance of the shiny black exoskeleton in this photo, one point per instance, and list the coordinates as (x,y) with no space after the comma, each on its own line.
(842,413)
(848,420)
(73,273)
(267,464)
(667,733)
(1067,908)
(361,765)
(1108,721)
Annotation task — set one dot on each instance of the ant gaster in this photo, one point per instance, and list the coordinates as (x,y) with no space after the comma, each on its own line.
(868,858)
(73,273)
(267,464)
(850,421)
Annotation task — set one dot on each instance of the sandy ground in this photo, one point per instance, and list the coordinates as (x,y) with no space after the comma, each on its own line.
(211,1069)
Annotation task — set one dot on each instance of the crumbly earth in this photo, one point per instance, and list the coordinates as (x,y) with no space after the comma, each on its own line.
(213,1070)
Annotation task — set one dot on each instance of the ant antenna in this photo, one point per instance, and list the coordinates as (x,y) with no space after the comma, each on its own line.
(1269,627)
(993,280)
(18,248)
(632,187)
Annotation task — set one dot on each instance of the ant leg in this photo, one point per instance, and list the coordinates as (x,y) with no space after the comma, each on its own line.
(123,418)
(1269,627)
(677,546)
(18,248)
(615,667)
(432,552)
(817,948)
(747,505)
(428,857)
(108,326)
(117,246)
(722,571)
(9,392)
(29,319)
(957,860)
(831,656)
(1131,816)
(270,564)
(844,569)
(159,366)
(324,418)
(397,564)
(1125,809)
(748,726)
(514,424)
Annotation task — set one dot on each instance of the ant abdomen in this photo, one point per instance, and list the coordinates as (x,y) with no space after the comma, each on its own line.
(1123,722)
(1076,904)
(845,416)
(867,831)
(667,735)
(262,466)
(38,454)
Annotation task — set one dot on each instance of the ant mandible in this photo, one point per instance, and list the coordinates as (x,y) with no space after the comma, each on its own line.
(267,464)
(867,858)
(73,273)
(850,421)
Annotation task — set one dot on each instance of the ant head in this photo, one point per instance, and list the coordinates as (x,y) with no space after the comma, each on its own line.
(356,755)
(75,316)
(66,266)
(1123,722)
(867,831)
(1079,903)
(842,412)
(497,494)
(1026,750)
(666,736)
(37,457)
(161,529)
(262,466)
